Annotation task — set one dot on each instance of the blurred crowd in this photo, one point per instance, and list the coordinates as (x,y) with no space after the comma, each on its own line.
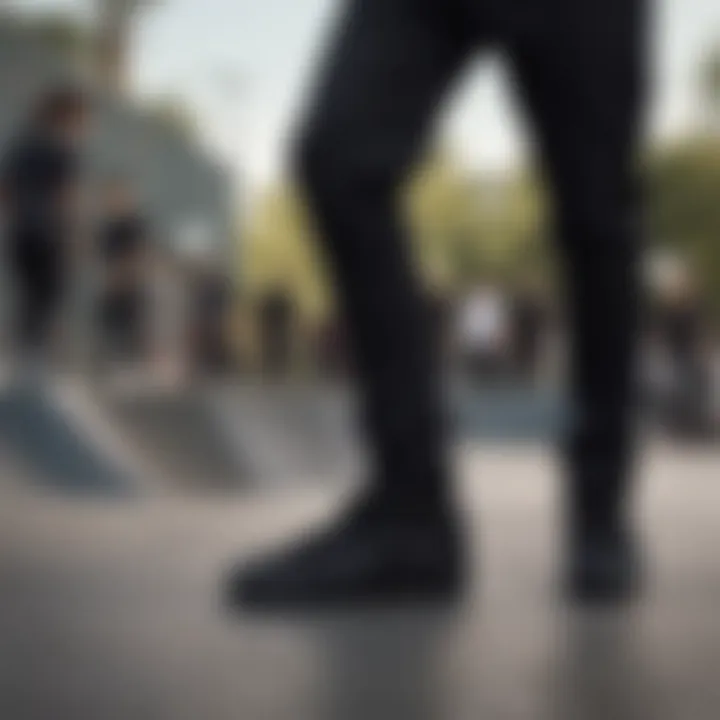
(154,310)
(497,335)
(150,308)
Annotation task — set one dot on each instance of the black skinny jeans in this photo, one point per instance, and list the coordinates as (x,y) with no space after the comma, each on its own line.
(579,66)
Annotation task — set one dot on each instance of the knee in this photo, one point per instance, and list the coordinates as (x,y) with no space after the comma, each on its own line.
(322,165)
(602,209)
(331,165)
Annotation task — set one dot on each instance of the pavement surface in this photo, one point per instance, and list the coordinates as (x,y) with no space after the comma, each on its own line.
(109,608)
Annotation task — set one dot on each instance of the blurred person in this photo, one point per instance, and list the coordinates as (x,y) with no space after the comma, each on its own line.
(579,67)
(682,327)
(124,240)
(529,327)
(715,381)
(170,315)
(39,186)
(483,333)
(657,380)
(277,320)
(211,306)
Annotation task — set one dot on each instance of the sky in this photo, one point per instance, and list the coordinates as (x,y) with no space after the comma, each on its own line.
(244,65)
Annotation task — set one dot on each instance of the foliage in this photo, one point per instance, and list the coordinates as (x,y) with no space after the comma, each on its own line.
(173,114)
(710,82)
(684,207)
(464,228)
(62,32)
(468,227)
(278,253)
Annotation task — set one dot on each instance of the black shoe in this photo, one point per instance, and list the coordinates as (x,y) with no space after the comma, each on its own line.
(374,556)
(603,567)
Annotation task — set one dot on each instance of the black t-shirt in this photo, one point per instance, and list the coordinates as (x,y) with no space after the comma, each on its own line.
(122,238)
(35,174)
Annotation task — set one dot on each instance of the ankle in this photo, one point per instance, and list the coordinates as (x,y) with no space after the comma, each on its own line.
(408,506)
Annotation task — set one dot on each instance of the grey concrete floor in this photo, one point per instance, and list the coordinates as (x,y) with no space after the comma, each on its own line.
(110,609)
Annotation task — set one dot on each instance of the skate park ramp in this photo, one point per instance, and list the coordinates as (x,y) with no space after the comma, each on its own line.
(71,436)
(300,432)
(179,434)
(68,435)
(237,436)
(290,433)
(52,436)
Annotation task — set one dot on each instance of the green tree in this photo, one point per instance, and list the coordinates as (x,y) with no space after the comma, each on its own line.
(684,208)
(463,229)
(710,85)
(59,31)
(174,114)
(279,252)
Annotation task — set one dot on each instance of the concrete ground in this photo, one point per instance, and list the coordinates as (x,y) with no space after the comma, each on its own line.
(109,609)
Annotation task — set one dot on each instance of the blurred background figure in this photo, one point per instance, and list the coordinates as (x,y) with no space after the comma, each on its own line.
(277,317)
(683,332)
(483,333)
(40,204)
(169,312)
(211,310)
(529,329)
(125,253)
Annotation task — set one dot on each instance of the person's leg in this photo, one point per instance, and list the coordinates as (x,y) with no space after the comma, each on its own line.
(53,303)
(27,316)
(385,78)
(126,327)
(386,75)
(581,71)
(28,268)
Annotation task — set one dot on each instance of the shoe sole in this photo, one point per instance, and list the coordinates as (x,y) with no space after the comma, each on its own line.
(416,596)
